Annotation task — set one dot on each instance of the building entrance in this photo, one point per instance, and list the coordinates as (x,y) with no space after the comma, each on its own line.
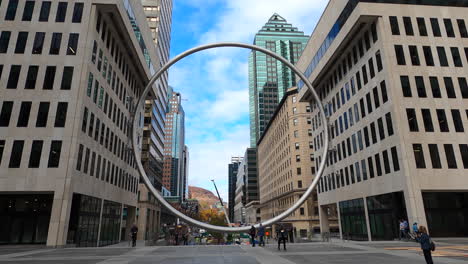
(25,218)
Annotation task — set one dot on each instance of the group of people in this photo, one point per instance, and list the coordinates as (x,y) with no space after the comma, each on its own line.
(281,236)
(421,236)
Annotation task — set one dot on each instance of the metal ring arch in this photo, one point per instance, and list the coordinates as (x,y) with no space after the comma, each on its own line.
(161,199)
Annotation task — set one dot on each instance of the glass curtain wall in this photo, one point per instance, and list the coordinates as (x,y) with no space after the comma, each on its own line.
(110,225)
(84,221)
(353,220)
(385,211)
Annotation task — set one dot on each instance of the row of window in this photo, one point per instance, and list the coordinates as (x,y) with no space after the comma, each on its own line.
(362,46)
(422,28)
(38,43)
(105,102)
(44,12)
(105,136)
(32,74)
(35,154)
(435,157)
(116,52)
(428,56)
(420,84)
(360,171)
(91,162)
(371,134)
(441,118)
(25,113)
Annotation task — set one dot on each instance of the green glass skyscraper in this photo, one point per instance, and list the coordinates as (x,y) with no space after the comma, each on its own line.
(268,78)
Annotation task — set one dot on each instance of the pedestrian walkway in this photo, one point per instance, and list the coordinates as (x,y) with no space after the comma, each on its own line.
(298,253)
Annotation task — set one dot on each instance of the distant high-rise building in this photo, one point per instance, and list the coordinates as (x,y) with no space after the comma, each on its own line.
(233,169)
(158,15)
(246,192)
(268,78)
(184,176)
(173,170)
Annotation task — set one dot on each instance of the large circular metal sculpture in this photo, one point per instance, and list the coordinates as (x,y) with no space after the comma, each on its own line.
(161,199)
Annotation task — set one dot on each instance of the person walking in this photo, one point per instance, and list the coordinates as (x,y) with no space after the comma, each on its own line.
(252,233)
(426,244)
(402,229)
(261,235)
(133,234)
(281,235)
(415,229)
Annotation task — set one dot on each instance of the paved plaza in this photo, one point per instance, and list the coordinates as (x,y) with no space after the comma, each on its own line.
(448,251)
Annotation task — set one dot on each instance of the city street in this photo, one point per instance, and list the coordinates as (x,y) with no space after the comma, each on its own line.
(449,251)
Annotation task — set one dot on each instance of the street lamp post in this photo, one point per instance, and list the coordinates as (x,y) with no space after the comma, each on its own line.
(222,204)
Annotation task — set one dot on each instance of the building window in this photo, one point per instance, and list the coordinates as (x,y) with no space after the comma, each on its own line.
(449,28)
(85,120)
(364,76)
(420,87)
(25,111)
(295,121)
(61,12)
(4,41)
(298,158)
(449,87)
(371,168)
(36,151)
(5,114)
(421,26)
(435,87)
(394,25)
(54,154)
(378,59)
(428,56)
(309,132)
(311,145)
(11,10)
(463,87)
(405,86)
(299,184)
(297,145)
(408,26)
(450,155)
(45,11)
(414,55)
(31,77)
(42,114)
(294,99)
(378,165)
(55,44)
(463,152)
(16,154)
(13,78)
(72,43)
(457,121)
(38,43)
(308,109)
(67,78)
(419,156)
(86,161)
(302,211)
(427,120)
(435,158)
(298,171)
(61,114)
(435,27)
(462,28)
(21,42)
(49,78)
(442,57)
(79,158)
(442,120)
(28,11)
(400,55)
(77,13)
(91,125)
(456,57)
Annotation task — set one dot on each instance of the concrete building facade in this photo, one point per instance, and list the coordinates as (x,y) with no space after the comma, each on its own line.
(246,185)
(70,74)
(286,166)
(392,77)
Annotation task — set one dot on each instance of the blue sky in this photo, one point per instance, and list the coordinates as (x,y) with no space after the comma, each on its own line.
(214,83)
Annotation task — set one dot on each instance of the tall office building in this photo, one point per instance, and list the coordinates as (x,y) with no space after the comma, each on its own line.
(174,167)
(233,169)
(286,166)
(268,78)
(70,74)
(246,192)
(158,15)
(392,77)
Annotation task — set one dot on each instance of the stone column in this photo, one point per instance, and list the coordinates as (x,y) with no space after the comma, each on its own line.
(60,215)
(366,214)
(323,215)
(339,220)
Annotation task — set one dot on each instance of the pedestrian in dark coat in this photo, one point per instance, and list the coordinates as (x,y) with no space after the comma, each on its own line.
(426,244)
(252,233)
(133,233)
(261,235)
(281,235)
